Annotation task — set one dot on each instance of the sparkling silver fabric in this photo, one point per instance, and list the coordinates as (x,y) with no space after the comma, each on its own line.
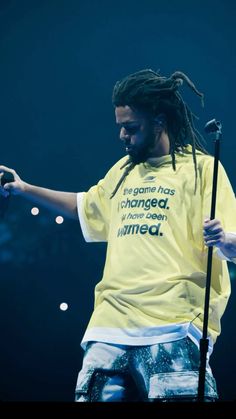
(162,372)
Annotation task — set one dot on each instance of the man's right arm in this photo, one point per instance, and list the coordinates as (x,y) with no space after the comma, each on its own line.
(64,203)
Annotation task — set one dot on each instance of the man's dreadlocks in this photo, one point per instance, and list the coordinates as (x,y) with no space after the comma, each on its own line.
(149,92)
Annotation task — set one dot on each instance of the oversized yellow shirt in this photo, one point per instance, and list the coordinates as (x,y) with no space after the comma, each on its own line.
(155,269)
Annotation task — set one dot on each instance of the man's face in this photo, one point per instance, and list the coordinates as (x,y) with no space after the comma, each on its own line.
(136,131)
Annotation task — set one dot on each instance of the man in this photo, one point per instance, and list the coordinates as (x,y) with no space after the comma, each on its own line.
(142,341)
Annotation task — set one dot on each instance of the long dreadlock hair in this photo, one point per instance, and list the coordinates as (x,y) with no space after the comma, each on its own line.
(149,92)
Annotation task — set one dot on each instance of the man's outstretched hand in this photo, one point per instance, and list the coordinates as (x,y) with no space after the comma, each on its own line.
(10,182)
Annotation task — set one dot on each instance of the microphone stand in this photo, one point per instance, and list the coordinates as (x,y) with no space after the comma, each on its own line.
(212,127)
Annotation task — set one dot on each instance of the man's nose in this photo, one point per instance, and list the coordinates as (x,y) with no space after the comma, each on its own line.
(124,136)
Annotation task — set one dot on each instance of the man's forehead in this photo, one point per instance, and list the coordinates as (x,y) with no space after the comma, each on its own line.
(124,114)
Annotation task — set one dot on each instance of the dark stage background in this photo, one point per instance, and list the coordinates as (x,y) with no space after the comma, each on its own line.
(59,62)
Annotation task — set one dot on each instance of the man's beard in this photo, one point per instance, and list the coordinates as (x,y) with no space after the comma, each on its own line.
(141,154)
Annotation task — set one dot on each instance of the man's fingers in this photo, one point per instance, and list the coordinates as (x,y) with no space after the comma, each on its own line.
(218,236)
(6,169)
(212,232)
(212,225)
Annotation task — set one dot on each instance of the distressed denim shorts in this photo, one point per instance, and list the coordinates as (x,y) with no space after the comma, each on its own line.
(162,372)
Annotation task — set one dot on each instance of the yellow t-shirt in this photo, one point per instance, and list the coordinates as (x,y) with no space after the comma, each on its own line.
(155,269)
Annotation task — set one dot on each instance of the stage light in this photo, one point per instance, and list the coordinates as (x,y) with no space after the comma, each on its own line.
(59,219)
(34,211)
(63,306)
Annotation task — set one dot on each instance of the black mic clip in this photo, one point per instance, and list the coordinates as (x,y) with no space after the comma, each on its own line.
(214,127)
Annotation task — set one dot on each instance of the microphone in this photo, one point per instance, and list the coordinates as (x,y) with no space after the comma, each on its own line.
(4,200)
(6,178)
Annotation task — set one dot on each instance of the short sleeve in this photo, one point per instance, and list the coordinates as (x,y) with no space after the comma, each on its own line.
(94,212)
(94,206)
